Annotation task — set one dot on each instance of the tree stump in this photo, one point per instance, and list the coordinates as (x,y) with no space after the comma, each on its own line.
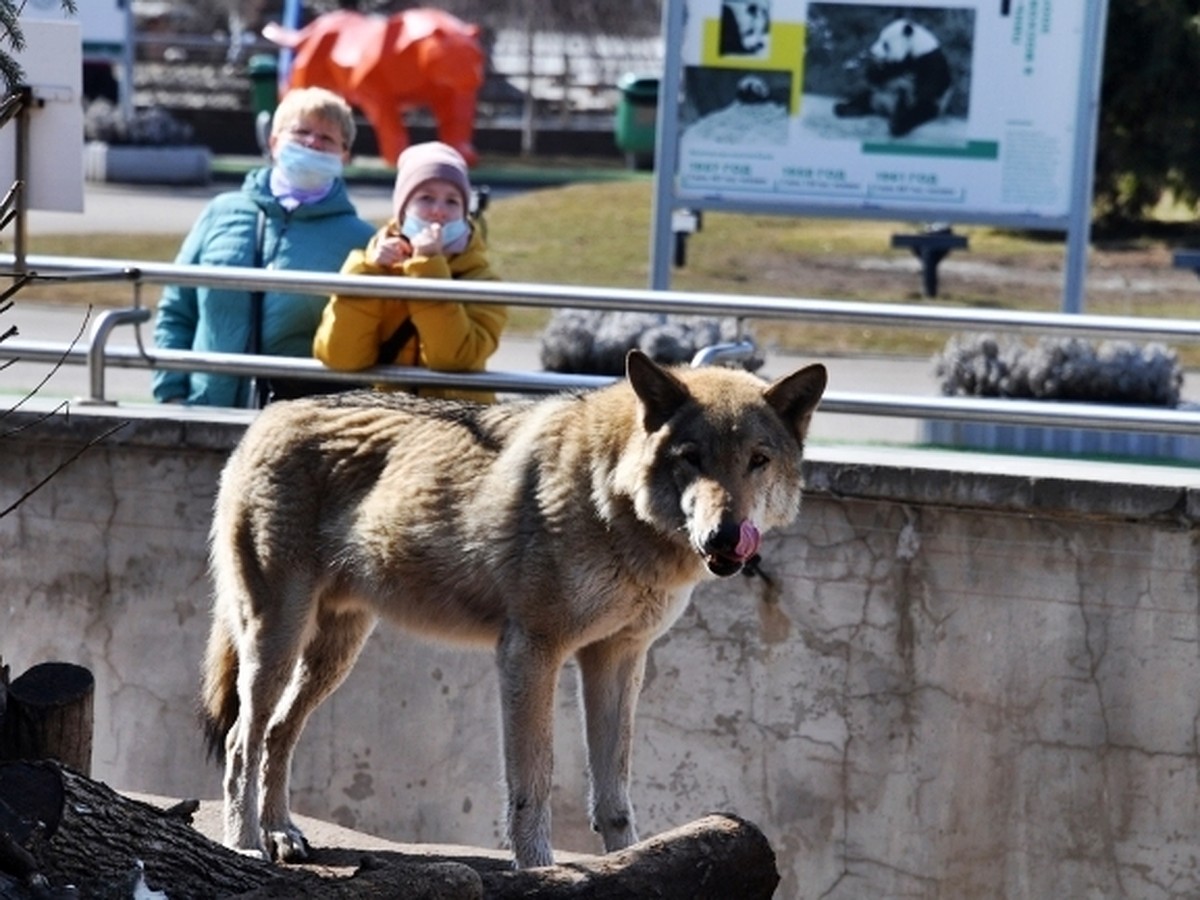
(48,715)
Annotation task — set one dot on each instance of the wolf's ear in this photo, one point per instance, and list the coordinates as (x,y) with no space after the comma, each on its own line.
(795,397)
(660,392)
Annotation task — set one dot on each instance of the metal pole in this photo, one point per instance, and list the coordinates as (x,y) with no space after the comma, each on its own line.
(527,110)
(291,20)
(127,58)
(666,147)
(22,175)
(1087,115)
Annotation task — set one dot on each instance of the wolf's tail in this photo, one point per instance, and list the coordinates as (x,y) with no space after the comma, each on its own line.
(218,691)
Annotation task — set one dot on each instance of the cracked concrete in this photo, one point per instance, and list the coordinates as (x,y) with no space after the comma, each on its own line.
(968,676)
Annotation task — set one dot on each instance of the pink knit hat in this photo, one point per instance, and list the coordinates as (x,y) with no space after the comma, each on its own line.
(421,162)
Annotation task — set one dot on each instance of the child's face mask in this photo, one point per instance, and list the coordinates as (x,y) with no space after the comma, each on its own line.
(452,232)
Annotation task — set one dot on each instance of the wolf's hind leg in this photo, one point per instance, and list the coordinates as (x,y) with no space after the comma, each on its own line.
(528,678)
(610,673)
(267,652)
(327,659)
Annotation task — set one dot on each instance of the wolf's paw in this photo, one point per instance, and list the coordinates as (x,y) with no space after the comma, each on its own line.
(617,831)
(534,858)
(286,844)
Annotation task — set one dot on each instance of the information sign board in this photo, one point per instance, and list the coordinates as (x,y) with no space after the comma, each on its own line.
(946,111)
(963,111)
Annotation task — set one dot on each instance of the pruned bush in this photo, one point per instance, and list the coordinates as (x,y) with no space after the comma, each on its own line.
(594,342)
(981,365)
(155,127)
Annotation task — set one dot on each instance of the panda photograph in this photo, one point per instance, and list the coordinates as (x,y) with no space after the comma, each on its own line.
(735,106)
(745,27)
(888,71)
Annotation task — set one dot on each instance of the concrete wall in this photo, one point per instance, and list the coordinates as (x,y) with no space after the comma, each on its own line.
(970,676)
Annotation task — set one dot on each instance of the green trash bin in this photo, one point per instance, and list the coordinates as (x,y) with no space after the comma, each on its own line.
(263,70)
(637,113)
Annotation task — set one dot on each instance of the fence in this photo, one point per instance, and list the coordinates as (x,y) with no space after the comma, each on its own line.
(98,356)
(570,79)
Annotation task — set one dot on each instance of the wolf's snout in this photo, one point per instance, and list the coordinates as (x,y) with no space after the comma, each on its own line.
(730,546)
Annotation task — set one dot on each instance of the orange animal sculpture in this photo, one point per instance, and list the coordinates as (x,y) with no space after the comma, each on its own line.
(387,65)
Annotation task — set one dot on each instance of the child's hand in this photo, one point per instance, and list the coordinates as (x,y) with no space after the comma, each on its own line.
(428,241)
(389,251)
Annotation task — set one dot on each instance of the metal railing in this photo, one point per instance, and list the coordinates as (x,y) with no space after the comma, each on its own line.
(97,355)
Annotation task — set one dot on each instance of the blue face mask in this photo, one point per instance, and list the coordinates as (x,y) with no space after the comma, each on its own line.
(452,232)
(306,169)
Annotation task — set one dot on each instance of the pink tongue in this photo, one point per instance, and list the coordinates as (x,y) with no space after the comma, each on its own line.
(748,538)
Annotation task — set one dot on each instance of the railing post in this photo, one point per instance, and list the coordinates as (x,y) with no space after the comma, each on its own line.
(723,354)
(98,341)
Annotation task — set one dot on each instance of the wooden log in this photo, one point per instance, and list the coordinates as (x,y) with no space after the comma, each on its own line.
(48,715)
(717,857)
(105,844)
(385,881)
(104,839)
(713,858)
(31,803)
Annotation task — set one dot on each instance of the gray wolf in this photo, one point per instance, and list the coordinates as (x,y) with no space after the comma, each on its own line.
(574,525)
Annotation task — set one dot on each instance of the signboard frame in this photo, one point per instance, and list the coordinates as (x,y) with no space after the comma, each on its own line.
(780,128)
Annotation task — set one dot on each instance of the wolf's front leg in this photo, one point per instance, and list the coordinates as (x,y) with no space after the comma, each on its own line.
(611,678)
(528,676)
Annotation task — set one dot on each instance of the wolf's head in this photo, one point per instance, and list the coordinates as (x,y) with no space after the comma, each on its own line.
(718,461)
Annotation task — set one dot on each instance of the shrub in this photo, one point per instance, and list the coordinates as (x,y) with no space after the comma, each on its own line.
(146,127)
(594,342)
(1060,369)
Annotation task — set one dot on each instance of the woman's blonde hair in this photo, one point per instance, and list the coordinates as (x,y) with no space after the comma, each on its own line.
(314,101)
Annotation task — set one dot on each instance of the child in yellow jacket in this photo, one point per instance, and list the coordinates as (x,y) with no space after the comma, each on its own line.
(431,236)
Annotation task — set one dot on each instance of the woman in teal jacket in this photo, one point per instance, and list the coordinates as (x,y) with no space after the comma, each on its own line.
(308,223)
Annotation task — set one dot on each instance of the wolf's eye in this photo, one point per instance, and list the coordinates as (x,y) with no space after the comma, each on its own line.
(689,455)
(758,460)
